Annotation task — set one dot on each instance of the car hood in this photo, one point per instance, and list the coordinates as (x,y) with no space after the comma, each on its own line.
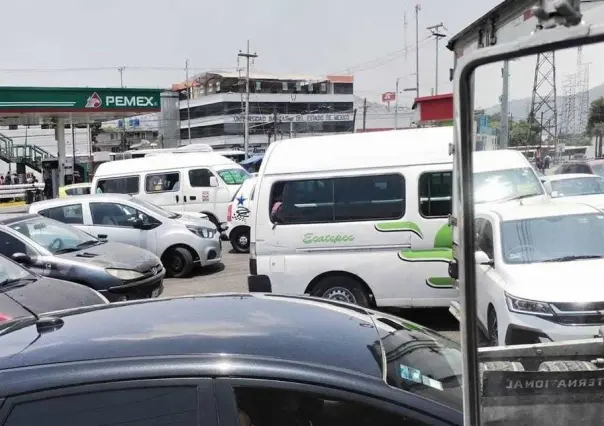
(574,281)
(596,200)
(114,255)
(192,216)
(196,221)
(537,199)
(49,295)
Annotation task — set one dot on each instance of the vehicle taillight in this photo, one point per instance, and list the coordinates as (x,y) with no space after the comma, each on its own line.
(4,317)
(229,212)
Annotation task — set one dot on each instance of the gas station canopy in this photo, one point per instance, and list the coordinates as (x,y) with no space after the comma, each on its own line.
(80,105)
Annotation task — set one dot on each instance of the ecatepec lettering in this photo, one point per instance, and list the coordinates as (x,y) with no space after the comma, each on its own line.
(311,238)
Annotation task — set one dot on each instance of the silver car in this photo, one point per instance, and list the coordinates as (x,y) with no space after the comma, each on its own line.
(180,241)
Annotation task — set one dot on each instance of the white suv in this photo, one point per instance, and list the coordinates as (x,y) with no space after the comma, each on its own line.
(534,269)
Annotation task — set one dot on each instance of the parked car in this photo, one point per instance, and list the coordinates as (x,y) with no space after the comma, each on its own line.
(210,360)
(531,261)
(592,167)
(239,217)
(74,189)
(53,249)
(23,293)
(576,188)
(181,241)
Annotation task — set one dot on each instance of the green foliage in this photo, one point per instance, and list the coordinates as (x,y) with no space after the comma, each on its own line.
(596,117)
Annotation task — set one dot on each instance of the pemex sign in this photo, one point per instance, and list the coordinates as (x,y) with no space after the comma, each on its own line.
(68,99)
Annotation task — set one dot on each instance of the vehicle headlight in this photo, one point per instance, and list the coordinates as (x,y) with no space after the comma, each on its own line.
(124,274)
(524,306)
(202,231)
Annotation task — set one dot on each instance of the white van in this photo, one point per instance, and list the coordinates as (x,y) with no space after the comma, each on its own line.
(195,182)
(363,218)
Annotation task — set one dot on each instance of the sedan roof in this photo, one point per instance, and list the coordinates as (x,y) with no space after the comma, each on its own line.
(296,329)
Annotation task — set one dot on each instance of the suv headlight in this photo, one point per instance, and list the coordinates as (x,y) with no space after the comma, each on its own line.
(124,274)
(523,306)
(202,232)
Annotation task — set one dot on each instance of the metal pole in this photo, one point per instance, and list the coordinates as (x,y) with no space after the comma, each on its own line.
(417,9)
(364,114)
(73,151)
(121,71)
(246,130)
(396,106)
(434,30)
(188,100)
(504,134)
(291,129)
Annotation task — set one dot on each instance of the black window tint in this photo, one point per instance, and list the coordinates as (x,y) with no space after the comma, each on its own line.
(272,407)
(10,245)
(435,194)
(123,185)
(583,168)
(163,182)
(354,198)
(77,191)
(486,239)
(200,178)
(165,406)
(71,214)
(114,214)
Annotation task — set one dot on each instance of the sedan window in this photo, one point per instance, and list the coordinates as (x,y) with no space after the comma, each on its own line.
(11,271)
(114,214)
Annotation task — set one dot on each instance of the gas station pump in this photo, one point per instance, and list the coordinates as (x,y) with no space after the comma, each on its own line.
(50,175)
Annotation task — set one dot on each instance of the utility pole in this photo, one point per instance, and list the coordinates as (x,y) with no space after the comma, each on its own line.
(73,151)
(364,114)
(121,71)
(437,36)
(396,106)
(246,131)
(504,134)
(417,9)
(275,122)
(188,100)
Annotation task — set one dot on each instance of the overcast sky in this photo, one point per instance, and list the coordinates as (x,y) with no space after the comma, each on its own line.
(152,39)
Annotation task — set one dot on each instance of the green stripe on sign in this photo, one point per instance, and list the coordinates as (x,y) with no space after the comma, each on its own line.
(398,226)
(440,282)
(432,255)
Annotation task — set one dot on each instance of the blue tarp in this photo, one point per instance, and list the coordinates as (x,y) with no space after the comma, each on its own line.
(252,160)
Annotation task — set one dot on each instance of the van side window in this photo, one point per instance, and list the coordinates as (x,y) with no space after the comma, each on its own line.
(435,194)
(121,185)
(355,198)
(162,182)
(200,178)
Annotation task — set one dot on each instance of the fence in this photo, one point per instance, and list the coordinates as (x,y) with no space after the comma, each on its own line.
(18,191)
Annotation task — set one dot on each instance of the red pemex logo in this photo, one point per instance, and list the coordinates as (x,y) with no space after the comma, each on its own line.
(94,101)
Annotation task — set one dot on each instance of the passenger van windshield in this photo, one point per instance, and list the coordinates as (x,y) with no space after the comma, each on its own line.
(552,239)
(501,185)
(233,176)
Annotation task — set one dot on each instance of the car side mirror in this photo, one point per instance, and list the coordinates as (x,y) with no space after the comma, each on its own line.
(482,258)
(138,223)
(213,181)
(22,258)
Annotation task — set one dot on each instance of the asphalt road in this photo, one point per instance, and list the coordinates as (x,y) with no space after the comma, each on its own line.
(230,276)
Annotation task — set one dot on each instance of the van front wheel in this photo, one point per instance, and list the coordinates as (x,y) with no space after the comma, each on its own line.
(342,289)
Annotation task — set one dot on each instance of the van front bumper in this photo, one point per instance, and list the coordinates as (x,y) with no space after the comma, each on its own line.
(259,284)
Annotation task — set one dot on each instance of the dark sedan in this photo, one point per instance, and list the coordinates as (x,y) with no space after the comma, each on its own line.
(50,248)
(228,360)
(23,293)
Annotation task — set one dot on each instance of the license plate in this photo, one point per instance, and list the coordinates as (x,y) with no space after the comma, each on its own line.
(155,292)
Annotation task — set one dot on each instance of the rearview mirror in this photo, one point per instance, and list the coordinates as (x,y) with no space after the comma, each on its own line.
(213,181)
(22,258)
(482,258)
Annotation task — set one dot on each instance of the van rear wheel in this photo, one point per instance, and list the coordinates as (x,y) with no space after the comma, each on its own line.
(342,289)
(179,262)
(240,239)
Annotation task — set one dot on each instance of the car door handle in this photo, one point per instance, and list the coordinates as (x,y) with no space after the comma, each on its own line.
(192,198)
(177,198)
(102,236)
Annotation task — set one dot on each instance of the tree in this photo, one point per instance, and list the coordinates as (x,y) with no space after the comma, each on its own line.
(596,115)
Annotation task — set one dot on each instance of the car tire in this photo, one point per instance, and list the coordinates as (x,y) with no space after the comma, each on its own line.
(497,366)
(240,239)
(342,289)
(179,262)
(493,328)
(567,365)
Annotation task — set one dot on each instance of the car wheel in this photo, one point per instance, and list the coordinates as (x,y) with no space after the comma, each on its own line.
(493,337)
(240,240)
(342,289)
(179,262)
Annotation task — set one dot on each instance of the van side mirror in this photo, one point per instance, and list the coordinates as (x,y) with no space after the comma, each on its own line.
(22,258)
(213,181)
(482,258)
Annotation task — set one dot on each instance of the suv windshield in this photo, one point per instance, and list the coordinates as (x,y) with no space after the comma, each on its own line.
(551,239)
(501,185)
(421,361)
(577,186)
(54,236)
(233,176)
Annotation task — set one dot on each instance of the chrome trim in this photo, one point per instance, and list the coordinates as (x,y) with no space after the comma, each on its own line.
(355,248)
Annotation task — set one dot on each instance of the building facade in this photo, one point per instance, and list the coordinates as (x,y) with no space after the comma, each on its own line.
(280,107)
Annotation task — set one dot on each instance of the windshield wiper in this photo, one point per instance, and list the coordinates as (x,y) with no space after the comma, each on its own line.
(10,283)
(68,250)
(570,258)
(520,197)
(88,243)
